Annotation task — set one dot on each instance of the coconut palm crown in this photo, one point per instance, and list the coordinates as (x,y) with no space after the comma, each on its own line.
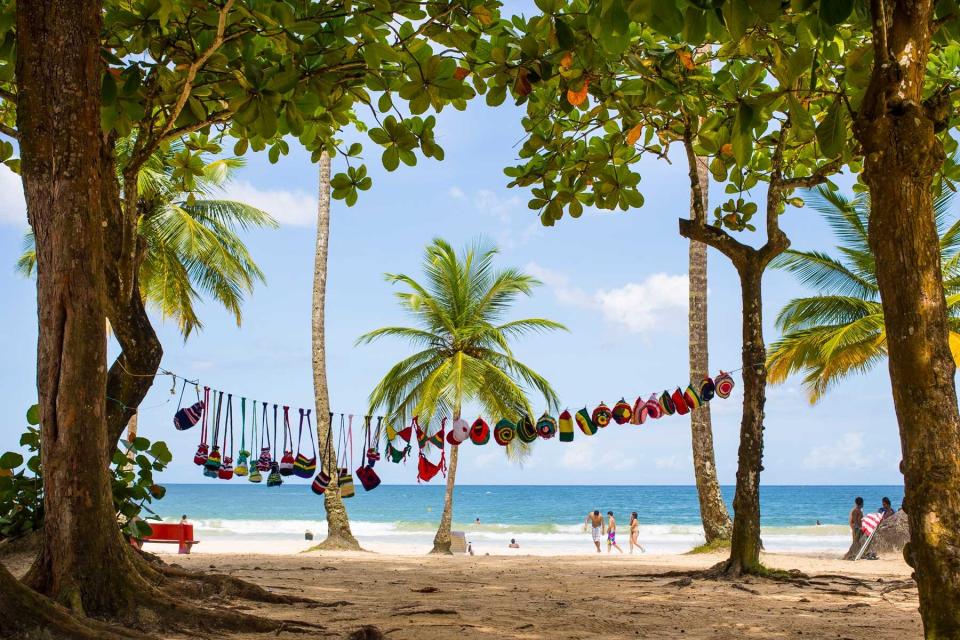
(192,243)
(840,331)
(463,353)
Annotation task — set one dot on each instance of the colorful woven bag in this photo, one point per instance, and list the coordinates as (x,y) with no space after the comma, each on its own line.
(479,432)
(565,426)
(639,411)
(602,415)
(287,460)
(679,404)
(504,432)
(243,458)
(692,398)
(654,410)
(585,422)
(345,483)
(666,403)
(263,462)
(622,412)
(320,483)
(186,417)
(724,385)
(212,464)
(203,449)
(304,467)
(526,430)
(707,389)
(274,479)
(546,426)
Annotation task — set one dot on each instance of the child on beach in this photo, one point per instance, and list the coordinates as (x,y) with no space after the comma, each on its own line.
(612,533)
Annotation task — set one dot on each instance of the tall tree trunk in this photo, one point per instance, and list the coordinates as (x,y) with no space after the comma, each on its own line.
(897,131)
(713,511)
(339,535)
(59,122)
(745,542)
(441,541)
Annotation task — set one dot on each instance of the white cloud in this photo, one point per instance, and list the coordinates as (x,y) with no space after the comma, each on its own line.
(583,455)
(846,453)
(296,208)
(456,192)
(657,302)
(13,208)
(672,463)
(509,212)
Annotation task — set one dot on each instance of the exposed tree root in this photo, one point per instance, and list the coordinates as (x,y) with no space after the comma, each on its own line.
(337,543)
(25,614)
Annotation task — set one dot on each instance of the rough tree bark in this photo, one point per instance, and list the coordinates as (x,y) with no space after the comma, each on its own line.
(713,511)
(897,130)
(751,263)
(339,535)
(58,117)
(441,541)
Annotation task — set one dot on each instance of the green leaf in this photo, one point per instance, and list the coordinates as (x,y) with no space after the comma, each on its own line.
(141,444)
(10,460)
(801,120)
(768,10)
(742,135)
(834,12)
(832,130)
(738,17)
(33,415)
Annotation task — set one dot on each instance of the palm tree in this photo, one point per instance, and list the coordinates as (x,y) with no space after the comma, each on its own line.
(840,331)
(463,354)
(192,244)
(339,535)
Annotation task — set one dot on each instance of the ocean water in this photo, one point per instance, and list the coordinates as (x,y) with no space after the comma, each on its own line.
(543,519)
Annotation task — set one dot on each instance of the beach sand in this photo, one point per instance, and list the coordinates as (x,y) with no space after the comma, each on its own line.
(567,597)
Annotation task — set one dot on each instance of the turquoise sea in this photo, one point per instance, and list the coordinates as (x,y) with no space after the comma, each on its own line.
(544,519)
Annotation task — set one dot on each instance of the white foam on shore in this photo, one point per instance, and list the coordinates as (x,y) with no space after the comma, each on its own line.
(416,538)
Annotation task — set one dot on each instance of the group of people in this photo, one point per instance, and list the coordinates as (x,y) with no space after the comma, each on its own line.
(856,515)
(599,528)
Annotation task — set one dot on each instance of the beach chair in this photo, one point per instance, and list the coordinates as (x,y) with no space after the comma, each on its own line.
(458,542)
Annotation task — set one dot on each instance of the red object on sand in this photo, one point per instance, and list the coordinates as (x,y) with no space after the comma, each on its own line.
(166,533)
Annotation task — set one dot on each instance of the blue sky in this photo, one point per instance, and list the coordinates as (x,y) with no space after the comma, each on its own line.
(617,280)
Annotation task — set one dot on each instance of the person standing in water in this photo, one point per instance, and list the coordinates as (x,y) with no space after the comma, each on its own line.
(596,527)
(635,533)
(612,533)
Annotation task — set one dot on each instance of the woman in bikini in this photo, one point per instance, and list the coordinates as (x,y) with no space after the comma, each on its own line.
(635,533)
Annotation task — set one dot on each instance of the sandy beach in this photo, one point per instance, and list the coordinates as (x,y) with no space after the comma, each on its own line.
(600,596)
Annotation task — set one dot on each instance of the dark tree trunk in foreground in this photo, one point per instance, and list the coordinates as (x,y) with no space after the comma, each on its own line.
(59,122)
(441,541)
(897,130)
(339,535)
(713,511)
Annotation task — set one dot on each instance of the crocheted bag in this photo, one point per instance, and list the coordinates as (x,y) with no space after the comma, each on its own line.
(546,426)
(287,459)
(666,403)
(225,472)
(622,412)
(274,479)
(565,426)
(724,385)
(263,462)
(707,390)
(320,483)
(254,475)
(654,409)
(602,415)
(203,449)
(585,422)
(679,404)
(692,398)
(345,481)
(243,457)
(368,477)
(304,467)
(526,430)
(504,432)
(188,416)
(480,432)
(638,414)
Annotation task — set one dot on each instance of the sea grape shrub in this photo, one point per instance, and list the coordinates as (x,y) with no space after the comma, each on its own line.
(132,480)
(21,485)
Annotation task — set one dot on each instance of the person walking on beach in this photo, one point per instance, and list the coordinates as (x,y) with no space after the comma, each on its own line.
(596,527)
(612,533)
(856,518)
(635,533)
